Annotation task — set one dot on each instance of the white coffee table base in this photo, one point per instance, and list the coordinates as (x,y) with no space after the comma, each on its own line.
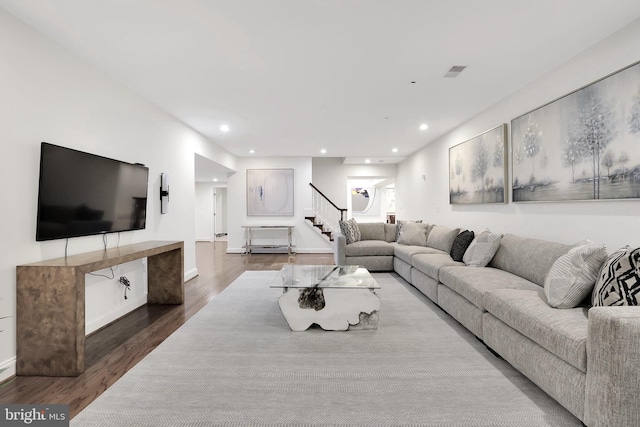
(344,309)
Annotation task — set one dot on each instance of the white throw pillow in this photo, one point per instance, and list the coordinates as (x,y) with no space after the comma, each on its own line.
(573,275)
(413,233)
(482,249)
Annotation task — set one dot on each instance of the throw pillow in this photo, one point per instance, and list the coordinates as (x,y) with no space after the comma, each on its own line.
(573,275)
(460,245)
(414,234)
(441,237)
(350,230)
(357,236)
(619,279)
(482,249)
(419,221)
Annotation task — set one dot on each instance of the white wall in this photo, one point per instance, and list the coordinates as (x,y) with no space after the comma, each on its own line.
(50,95)
(306,239)
(614,223)
(330,175)
(204,211)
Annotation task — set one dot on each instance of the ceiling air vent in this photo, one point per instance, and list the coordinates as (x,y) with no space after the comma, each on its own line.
(454,71)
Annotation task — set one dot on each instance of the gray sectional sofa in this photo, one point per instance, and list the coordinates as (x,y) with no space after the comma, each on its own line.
(588,359)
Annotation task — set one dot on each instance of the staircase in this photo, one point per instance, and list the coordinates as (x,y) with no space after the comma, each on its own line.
(327,216)
(317,223)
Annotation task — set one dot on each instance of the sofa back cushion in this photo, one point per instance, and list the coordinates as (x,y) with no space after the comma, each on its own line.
(390,231)
(441,237)
(528,258)
(413,234)
(371,230)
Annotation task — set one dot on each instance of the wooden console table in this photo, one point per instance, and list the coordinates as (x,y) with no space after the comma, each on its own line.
(50,310)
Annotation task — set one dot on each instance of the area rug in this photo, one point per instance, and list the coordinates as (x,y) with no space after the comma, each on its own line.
(236,363)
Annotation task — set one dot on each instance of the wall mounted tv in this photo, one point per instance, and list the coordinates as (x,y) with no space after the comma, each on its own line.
(81,194)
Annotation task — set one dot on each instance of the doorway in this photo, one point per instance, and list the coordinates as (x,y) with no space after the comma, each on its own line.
(220,213)
(210,199)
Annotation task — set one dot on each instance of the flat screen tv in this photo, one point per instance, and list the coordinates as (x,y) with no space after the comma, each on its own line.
(81,194)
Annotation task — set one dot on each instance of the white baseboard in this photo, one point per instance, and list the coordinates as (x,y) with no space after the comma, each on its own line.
(190,274)
(7,369)
(315,251)
(298,250)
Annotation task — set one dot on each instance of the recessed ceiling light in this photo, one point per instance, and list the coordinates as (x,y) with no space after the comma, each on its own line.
(367,161)
(215,179)
(224,128)
(424,126)
(323,151)
(252,151)
(395,150)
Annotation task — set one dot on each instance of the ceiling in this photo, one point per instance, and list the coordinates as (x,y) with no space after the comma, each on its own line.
(355,77)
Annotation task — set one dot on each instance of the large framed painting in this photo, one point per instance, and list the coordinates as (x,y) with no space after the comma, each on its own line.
(269,192)
(583,146)
(478,168)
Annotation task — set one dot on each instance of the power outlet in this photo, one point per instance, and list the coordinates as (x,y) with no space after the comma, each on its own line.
(437,208)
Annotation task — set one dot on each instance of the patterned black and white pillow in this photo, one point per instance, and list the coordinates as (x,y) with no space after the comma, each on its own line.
(619,279)
(357,236)
(350,230)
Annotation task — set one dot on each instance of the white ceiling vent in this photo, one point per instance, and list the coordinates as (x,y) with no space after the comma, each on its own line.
(455,70)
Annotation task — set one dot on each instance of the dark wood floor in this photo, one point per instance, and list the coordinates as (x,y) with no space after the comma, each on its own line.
(115,349)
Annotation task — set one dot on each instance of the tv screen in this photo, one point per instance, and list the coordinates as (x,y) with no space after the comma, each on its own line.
(82,194)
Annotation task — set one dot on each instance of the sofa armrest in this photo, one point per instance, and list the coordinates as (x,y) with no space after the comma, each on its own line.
(340,249)
(613,367)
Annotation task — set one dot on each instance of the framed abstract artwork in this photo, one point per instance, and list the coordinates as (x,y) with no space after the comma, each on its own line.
(478,168)
(270,192)
(582,146)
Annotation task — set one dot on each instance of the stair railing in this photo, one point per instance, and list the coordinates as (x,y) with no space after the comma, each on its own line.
(327,211)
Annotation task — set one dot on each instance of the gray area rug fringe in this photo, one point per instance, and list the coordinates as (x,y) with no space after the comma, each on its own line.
(237,363)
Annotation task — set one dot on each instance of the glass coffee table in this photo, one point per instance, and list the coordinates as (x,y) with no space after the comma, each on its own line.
(334,297)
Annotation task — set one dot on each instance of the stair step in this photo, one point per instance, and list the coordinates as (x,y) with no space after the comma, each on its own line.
(319,227)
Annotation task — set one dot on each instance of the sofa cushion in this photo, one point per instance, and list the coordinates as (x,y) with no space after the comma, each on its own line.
(412,233)
(441,237)
(405,252)
(619,279)
(573,275)
(350,230)
(430,264)
(390,232)
(400,222)
(461,244)
(473,282)
(562,332)
(528,258)
(371,231)
(482,249)
(372,262)
(369,248)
